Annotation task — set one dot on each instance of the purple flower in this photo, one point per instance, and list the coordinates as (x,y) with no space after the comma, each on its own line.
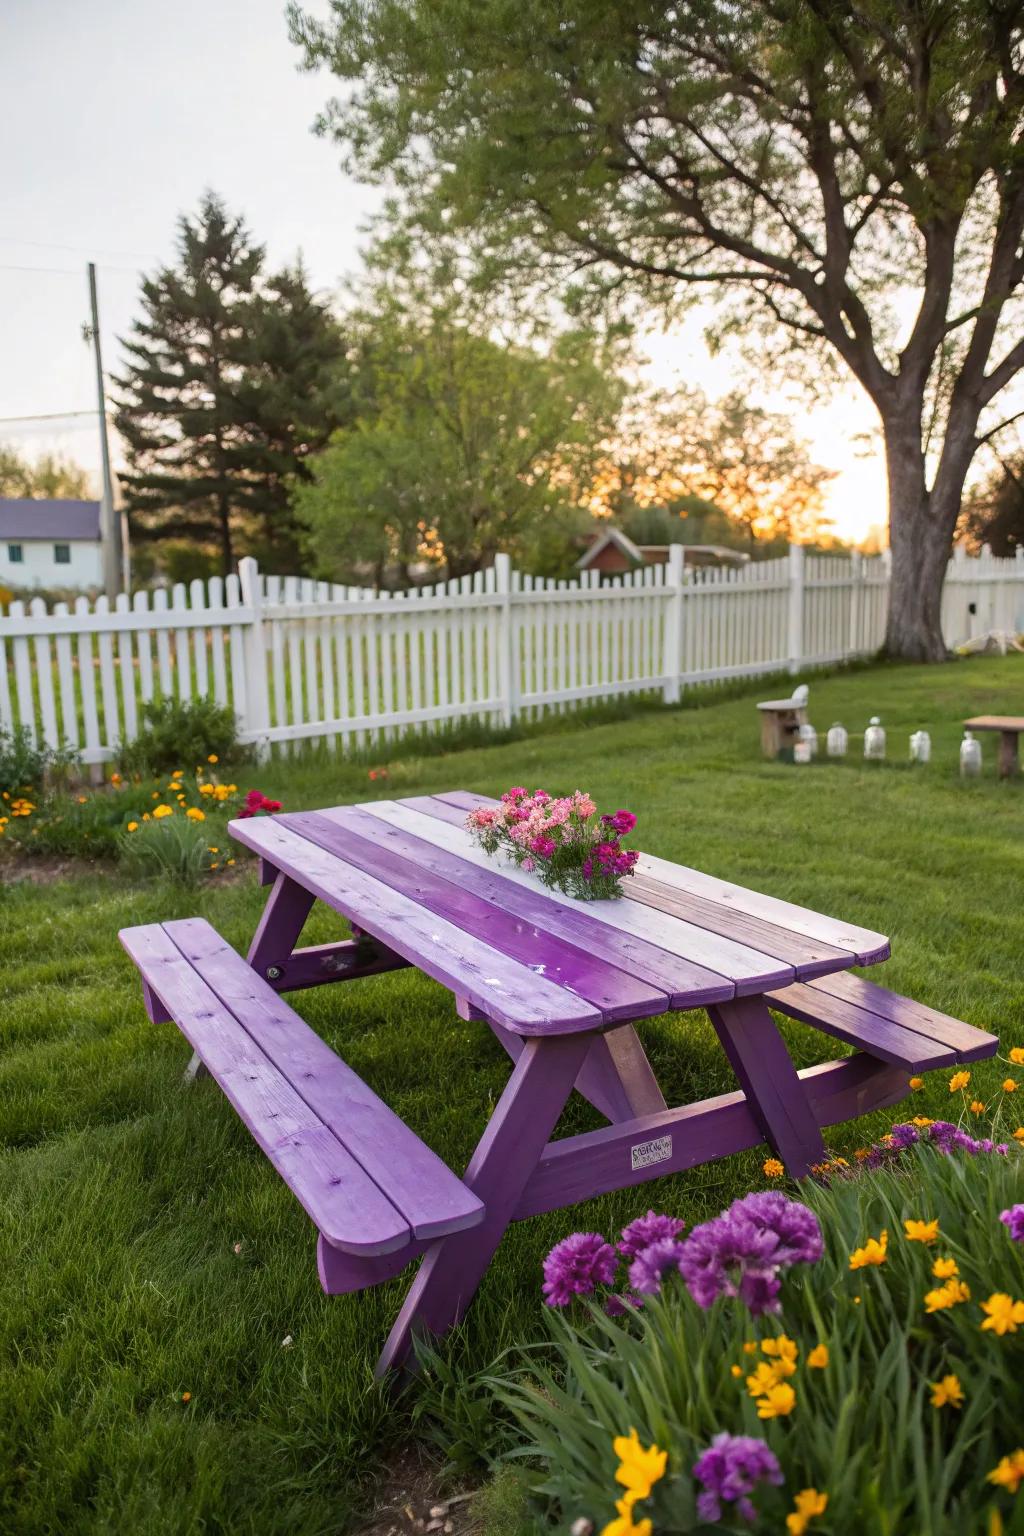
(730,1469)
(544,847)
(741,1252)
(905,1136)
(575,1265)
(588,869)
(1013,1219)
(621,822)
(654,1261)
(645,1230)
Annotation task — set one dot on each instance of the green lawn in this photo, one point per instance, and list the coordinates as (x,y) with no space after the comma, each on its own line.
(125,1194)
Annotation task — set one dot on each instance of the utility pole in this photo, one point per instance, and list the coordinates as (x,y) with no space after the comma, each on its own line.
(110,523)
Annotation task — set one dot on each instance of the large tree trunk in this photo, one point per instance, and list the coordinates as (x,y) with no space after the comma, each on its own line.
(921,527)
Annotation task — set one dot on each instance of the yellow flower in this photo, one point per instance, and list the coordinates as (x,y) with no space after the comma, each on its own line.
(784,1352)
(155,795)
(947,1393)
(959,1080)
(213,758)
(808,1504)
(1017,1055)
(1003,1313)
(916,1082)
(873,1252)
(736,1370)
(773,1169)
(818,1357)
(1009,1086)
(1010,1472)
(639,1470)
(921,1231)
(763,1379)
(625,1525)
(213,850)
(206,789)
(945,1296)
(133,826)
(945,1269)
(229,861)
(777,1402)
(177,773)
(195,814)
(923,1120)
(750,1346)
(163,810)
(977,1107)
(146,816)
(1018,1134)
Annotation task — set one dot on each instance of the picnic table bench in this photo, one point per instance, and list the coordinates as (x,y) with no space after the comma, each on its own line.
(1009,728)
(562,985)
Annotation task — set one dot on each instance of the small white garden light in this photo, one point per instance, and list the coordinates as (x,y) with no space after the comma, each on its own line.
(970,756)
(837,741)
(874,740)
(920,747)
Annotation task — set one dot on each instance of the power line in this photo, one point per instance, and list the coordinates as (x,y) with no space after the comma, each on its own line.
(48,416)
(78,250)
(68,271)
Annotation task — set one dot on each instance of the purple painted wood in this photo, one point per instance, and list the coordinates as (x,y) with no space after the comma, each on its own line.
(808,957)
(758,1056)
(616,1076)
(970,1043)
(748,969)
(318,964)
(866,947)
(857,1026)
(339,1196)
(284,917)
(597,1162)
(501,988)
(683,983)
(354,839)
(430,1197)
(506,1155)
(341,1273)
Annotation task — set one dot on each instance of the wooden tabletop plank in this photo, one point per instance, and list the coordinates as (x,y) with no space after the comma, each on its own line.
(680,982)
(332,1187)
(808,957)
(866,946)
(996,723)
(361,840)
(412,1177)
(749,969)
(884,1038)
(498,987)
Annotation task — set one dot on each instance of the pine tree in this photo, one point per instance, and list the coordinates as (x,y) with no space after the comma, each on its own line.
(229,384)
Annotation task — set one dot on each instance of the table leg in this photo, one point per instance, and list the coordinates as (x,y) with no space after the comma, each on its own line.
(1009,764)
(769,1080)
(499,1169)
(616,1076)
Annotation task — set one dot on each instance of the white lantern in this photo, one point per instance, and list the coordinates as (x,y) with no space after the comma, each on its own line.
(837,740)
(920,747)
(874,740)
(810,736)
(970,757)
(801,750)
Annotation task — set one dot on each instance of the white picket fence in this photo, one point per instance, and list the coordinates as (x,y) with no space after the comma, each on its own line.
(301,660)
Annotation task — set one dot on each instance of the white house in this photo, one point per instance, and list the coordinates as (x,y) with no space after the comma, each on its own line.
(50,543)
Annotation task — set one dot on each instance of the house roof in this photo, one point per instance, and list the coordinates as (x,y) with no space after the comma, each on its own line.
(28,518)
(695,554)
(601,541)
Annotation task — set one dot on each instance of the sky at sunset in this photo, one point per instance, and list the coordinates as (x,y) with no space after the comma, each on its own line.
(116,117)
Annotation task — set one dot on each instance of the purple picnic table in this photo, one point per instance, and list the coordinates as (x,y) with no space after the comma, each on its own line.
(562,984)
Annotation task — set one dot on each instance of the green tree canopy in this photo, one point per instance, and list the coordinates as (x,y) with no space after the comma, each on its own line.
(233,378)
(47,476)
(463,444)
(849,176)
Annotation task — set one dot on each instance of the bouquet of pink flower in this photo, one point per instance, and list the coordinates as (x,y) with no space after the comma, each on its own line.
(563,841)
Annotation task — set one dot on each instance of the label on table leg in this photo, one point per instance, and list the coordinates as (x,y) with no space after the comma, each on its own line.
(646,1153)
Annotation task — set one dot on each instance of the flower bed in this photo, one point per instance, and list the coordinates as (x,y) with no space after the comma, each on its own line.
(563,841)
(852,1360)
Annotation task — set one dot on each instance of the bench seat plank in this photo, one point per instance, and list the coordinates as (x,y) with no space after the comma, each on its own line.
(748,969)
(501,988)
(969,1042)
(339,1196)
(357,840)
(433,1200)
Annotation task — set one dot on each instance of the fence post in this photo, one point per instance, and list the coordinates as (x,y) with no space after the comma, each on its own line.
(255,716)
(508,651)
(672,647)
(853,645)
(795,646)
